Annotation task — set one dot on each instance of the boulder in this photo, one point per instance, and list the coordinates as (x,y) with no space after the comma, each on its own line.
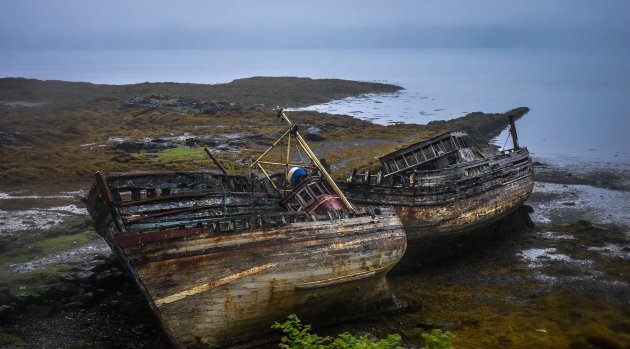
(314,137)
(25,298)
(6,311)
(236,142)
(5,296)
(86,276)
(59,291)
(37,310)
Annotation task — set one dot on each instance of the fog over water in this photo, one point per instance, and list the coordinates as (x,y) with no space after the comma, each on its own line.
(566,60)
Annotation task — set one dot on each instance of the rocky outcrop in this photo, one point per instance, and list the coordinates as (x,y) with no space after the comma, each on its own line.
(14,138)
(156,144)
(179,104)
(91,283)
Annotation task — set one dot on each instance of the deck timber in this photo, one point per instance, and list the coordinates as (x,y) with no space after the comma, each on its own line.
(451,203)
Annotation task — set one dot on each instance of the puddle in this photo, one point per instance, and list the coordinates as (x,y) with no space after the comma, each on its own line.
(540,258)
(613,250)
(14,221)
(566,203)
(66,195)
(77,254)
(19,213)
(537,256)
(550,235)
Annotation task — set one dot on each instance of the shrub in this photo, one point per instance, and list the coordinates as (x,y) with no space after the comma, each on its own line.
(438,339)
(299,336)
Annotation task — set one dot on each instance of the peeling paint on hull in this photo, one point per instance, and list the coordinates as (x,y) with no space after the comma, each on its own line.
(214,287)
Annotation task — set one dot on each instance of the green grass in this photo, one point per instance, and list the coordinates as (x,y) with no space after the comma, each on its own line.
(185,158)
(298,335)
(8,339)
(45,247)
(35,281)
(177,154)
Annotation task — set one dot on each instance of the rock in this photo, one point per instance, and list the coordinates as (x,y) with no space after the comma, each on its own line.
(180,104)
(314,137)
(224,147)
(14,138)
(68,278)
(372,338)
(130,147)
(74,305)
(59,291)
(86,276)
(603,343)
(5,296)
(6,311)
(208,142)
(24,298)
(237,142)
(37,310)
(191,142)
(430,326)
(160,140)
(100,258)
(81,300)
(105,279)
(99,293)
(201,142)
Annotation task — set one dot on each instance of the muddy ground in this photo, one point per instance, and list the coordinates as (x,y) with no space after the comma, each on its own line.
(555,286)
(563,284)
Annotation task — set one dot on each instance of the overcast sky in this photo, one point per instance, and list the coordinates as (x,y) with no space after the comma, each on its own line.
(158,24)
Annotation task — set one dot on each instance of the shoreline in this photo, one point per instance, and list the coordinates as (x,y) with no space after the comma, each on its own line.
(545,258)
(518,281)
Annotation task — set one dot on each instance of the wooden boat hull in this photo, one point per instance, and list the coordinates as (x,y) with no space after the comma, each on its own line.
(443,207)
(430,221)
(213,288)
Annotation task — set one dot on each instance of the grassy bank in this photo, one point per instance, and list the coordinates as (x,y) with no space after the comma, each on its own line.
(60,143)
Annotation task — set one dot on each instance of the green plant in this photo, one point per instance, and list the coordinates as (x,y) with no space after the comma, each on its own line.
(299,336)
(438,339)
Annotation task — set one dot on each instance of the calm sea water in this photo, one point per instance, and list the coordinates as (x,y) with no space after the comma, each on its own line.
(577,97)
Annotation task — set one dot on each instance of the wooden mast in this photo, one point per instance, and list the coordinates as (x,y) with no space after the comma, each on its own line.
(300,141)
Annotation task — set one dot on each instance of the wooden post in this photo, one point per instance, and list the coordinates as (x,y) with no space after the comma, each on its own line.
(216,161)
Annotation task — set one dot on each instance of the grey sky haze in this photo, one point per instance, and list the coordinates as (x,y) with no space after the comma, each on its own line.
(76,24)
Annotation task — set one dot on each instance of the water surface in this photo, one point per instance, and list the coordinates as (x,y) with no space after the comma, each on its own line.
(577,97)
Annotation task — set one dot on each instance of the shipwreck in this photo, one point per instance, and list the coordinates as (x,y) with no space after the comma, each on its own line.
(447,187)
(220,257)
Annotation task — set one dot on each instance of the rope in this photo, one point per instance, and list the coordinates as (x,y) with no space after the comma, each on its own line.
(301,157)
(506,139)
(224,201)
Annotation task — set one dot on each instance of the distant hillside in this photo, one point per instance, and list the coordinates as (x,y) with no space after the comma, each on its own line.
(269,91)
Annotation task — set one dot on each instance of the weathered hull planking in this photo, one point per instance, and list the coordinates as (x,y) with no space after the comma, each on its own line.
(451,203)
(219,281)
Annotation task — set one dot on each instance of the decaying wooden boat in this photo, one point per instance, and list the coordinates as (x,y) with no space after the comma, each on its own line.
(447,187)
(221,257)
